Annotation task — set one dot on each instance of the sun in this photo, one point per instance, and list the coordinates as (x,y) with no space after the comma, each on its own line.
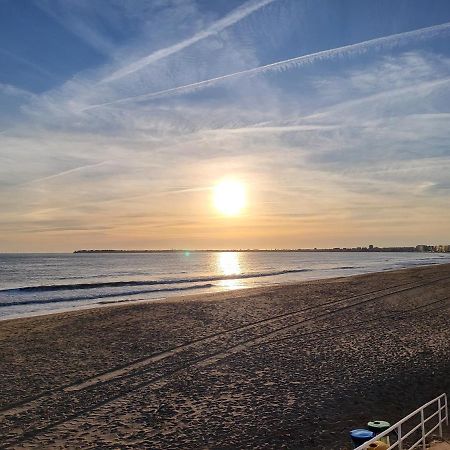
(229,197)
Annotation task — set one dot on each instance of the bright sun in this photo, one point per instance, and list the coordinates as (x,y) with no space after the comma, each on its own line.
(229,197)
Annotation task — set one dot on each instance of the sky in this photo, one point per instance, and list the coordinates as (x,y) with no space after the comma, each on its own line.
(118,118)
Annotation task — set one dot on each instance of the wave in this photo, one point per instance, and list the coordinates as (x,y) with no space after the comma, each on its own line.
(106,284)
(108,295)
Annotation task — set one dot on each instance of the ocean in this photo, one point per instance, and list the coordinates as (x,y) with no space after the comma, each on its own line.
(34,284)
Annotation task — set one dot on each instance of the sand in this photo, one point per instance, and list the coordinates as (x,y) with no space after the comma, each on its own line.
(441,446)
(292,366)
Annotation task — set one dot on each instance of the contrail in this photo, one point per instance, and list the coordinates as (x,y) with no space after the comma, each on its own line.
(230,19)
(358,48)
(66,172)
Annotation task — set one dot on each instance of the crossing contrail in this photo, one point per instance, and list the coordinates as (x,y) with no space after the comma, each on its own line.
(390,41)
(230,19)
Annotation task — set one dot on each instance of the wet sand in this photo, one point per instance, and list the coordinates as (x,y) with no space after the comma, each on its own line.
(292,366)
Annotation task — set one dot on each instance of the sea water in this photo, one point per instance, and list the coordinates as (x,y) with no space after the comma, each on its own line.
(33,284)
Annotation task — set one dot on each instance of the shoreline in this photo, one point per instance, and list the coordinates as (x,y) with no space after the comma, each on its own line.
(288,366)
(106,303)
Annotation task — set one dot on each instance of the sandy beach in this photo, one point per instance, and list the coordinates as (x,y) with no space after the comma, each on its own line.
(293,366)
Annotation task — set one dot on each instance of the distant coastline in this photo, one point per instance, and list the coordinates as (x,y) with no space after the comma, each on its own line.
(370,248)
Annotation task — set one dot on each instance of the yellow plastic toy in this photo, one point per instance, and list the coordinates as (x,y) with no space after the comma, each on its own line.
(378,445)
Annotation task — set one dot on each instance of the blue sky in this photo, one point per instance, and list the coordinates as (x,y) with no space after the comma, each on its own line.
(118,117)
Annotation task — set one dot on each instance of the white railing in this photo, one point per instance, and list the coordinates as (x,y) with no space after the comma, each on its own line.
(442,416)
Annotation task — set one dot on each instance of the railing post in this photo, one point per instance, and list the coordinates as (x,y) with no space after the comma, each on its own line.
(446,409)
(422,420)
(399,437)
(440,417)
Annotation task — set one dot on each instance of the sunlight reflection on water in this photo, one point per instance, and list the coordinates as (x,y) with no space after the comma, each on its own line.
(229,263)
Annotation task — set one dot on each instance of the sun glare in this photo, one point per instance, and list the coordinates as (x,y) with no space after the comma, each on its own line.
(229,197)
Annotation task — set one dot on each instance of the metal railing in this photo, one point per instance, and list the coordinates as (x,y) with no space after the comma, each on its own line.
(441,412)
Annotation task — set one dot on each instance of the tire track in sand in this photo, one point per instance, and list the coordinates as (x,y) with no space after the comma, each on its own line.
(132,372)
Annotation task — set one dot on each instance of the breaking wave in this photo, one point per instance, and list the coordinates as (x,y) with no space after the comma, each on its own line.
(117,284)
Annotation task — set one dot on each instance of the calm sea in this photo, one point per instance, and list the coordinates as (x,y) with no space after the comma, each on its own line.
(32,284)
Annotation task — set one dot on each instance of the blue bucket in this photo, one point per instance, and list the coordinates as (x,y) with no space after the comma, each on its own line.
(360,435)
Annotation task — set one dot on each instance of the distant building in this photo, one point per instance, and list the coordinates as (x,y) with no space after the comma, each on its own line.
(433,248)
(441,248)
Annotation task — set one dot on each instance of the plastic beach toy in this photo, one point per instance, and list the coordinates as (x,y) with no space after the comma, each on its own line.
(378,445)
(361,435)
(378,426)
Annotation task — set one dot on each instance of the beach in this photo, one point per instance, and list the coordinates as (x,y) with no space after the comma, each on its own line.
(293,366)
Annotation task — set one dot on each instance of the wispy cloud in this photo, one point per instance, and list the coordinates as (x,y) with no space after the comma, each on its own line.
(26,62)
(76,18)
(359,48)
(230,19)
(13,91)
(348,142)
(67,172)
